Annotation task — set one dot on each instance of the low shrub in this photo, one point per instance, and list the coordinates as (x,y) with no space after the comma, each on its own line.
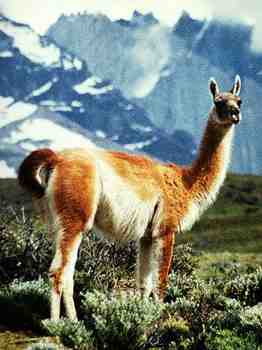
(24,304)
(119,321)
(25,250)
(44,346)
(217,313)
(229,340)
(71,333)
(104,265)
(246,288)
(185,259)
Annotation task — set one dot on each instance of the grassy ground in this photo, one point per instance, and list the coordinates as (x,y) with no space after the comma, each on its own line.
(20,340)
(229,233)
(231,230)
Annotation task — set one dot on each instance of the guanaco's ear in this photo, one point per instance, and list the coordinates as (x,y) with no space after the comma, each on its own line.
(213,87)
(237,86)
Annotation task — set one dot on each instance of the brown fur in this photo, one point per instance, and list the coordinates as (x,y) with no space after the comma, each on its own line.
(136,171)
(167,238)
(29,167)
(169,191)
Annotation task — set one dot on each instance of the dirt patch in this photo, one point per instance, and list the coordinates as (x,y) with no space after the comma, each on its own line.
(22,340)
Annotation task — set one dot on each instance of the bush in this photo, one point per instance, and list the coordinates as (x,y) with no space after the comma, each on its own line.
(104,265)
(44,346)
(185,260)
(246,287)
(218,313)
(183,279)
(119,322)
(229,340)
(172,333)
(26,253)
(24,304)
(251,320)
(71,333)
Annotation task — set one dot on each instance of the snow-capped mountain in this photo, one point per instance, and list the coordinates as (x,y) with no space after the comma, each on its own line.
(165,70)
(48,97)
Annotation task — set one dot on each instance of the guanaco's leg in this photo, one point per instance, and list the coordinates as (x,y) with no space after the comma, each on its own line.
(68,282)
(150,254)
(165,260)
(147,265)
(62,273)
(154,261)
(74,195)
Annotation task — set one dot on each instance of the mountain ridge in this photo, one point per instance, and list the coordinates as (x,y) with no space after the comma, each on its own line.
(40,81)
(176,95)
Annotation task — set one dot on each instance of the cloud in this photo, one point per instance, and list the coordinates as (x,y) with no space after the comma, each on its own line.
(40,15)
(149,56)
(249,12)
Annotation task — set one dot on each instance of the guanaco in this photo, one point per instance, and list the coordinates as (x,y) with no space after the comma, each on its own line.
(128,197)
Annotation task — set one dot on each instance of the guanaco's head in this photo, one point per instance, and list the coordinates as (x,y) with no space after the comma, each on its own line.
(226,109)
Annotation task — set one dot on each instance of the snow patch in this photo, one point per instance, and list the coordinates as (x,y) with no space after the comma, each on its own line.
(78,64)
(30,45)
(61,109)
(139,145)
(72,63)
(93,80)
(44,88)
(6,54)
(100,133)
(88,86)
(6,171)
(41,129)
(76,103)
(100,91)
(115,138)
(5,101)
(48,103)
(142,128)
(67,64)
(17,111)
(28,146)
(129,107)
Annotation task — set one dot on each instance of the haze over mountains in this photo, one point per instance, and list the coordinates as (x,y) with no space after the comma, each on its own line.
(166,70)
(132,84)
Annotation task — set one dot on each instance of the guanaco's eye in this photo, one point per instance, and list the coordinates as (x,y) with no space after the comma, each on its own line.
(239,102)
(219,103)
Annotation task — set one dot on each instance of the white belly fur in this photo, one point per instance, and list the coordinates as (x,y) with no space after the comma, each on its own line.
(121,215)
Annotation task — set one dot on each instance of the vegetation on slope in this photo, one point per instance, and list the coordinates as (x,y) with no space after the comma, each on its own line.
(214,298)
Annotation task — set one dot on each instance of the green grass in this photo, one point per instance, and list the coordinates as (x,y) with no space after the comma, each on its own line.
(231,230)
(227,242)
(233,225)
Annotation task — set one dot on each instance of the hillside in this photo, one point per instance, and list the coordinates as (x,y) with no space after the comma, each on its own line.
(233,224)
(213,300)
(50,98)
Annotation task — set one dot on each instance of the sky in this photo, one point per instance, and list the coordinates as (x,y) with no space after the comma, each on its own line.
(41,14)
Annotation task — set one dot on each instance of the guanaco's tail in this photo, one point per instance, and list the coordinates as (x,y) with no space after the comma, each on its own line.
(29,171)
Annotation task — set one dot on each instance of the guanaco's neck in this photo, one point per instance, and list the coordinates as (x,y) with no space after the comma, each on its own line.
(208,170)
